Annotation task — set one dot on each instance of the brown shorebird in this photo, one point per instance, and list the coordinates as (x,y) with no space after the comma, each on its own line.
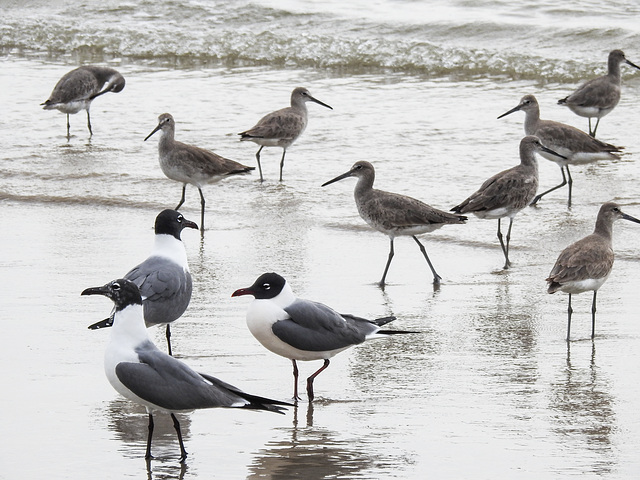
(586,264)
(76,90)
(509,191)
(597,97)
(394,214)
(282,127)
(576,145)
(190,164)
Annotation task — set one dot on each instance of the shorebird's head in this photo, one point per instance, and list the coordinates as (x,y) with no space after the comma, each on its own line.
(301,94)
(619,57)
(165,123)
(527,103)
(610,212)
(531,143)
(359,169)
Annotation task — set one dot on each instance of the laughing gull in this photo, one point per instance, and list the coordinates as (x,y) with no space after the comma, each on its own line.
(576,145)
(597,97)
(282,127)
(76,90)
(394,214)
(586,264)
(190,164)
(509,191)
(145,375)
(301,329)
(163,278)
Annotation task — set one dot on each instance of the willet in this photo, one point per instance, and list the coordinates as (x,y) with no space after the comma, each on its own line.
(301,329)
(574,144)
(282,127)
(508,192)
(597,97)
(140,372)
(394,214)
(76,90)
(586,264)
(190,164)
(163,278)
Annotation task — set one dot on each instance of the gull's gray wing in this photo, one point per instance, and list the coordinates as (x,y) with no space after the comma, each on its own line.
(170,384)
(315,327)
(165,286)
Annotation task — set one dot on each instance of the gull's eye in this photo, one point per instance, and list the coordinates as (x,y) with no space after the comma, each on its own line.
(266,286)
(180,218)
(115,286)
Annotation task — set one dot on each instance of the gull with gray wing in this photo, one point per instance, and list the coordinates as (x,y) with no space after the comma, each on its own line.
(577,146)
(597,97)
(163,278)
(189,164)
(394,214)
(78,88)
(140,372)
(586,264)
(303,330)
(282,127)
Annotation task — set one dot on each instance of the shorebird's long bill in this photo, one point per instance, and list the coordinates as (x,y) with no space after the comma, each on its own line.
(548,150)
(154,131)
(514,109)
(632,64)
(339,177)
(630,218)
(319,102)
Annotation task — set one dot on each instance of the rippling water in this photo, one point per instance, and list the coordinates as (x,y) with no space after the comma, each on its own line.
(488,389)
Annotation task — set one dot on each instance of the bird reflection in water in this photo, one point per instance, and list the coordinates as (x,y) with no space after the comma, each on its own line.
(129,422)
(585,419)
(312,452)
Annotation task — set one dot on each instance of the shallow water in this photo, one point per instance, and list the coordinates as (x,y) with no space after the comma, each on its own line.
(488,388)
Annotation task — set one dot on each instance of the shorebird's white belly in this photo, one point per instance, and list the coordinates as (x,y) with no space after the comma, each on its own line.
(70,107)
(579,286)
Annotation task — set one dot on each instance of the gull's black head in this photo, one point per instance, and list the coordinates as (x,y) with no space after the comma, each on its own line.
(268,285)
(123,292)
(171,222)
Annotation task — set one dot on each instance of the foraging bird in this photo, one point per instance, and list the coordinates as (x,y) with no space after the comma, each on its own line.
(190,164)
(597,97)
(586,264)
(394,214)
(140,372)
(577,146)
(282,127)
(78,88)
(301,329)
(509,191)
(163,278)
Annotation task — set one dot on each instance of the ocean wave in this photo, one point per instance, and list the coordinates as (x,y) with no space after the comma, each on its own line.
(195,35)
